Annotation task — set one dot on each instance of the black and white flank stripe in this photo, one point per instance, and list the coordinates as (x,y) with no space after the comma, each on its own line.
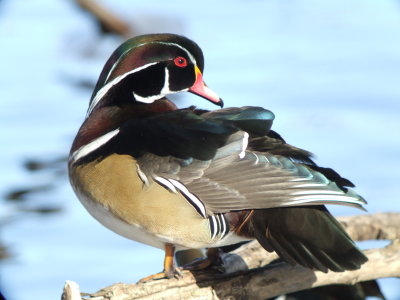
(175,187)
(219,228)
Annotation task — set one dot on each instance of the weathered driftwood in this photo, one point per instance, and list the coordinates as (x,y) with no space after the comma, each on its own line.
(248,277)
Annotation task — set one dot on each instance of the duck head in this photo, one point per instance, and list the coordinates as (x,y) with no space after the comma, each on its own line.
(146,68)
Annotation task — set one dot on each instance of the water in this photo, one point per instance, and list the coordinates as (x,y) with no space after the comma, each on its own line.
(330,71)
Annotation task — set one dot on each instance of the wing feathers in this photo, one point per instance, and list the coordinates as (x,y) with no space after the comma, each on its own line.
(307,236)
(263,181)
(256,181)
(266,173)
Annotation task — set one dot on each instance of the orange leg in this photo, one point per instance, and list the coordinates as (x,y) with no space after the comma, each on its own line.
(169,266)
(169,263)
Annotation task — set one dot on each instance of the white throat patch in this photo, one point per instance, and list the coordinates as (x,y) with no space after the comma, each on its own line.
(164,91)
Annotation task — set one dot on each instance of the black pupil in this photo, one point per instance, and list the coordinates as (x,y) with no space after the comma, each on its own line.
(181,61)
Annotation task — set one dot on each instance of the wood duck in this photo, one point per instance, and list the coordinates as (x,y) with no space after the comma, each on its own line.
(190,178)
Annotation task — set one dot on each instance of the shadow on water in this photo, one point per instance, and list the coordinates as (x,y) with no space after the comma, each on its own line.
(26,198)
(23,196)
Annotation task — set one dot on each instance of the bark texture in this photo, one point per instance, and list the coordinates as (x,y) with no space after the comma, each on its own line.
(249,273)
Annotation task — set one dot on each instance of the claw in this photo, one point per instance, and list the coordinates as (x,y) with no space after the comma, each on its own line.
(176,273)
(170,270)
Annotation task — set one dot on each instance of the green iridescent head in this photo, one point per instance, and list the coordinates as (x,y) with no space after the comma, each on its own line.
(150,67)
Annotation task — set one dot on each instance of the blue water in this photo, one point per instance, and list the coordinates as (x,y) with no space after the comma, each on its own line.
(329,70)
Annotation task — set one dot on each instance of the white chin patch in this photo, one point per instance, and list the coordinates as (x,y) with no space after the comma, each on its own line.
(100,94)
(147,100)
(164,91)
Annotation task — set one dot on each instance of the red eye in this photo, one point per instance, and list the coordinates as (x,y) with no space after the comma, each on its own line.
(180,62)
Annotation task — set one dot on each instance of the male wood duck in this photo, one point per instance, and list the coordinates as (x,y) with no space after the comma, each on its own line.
(189,178)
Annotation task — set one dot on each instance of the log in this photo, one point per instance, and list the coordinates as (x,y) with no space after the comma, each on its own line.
(109,21)
(249,273)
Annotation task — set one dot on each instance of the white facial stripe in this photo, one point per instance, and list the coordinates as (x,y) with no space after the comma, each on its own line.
(93,145)
(147,100)
(191,57)
(100,94)
(156,42)
(164,91)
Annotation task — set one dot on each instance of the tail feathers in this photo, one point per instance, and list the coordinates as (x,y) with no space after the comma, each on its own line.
(308,236)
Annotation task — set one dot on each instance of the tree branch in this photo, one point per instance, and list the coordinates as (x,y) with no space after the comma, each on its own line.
(245,278)
(109,21)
